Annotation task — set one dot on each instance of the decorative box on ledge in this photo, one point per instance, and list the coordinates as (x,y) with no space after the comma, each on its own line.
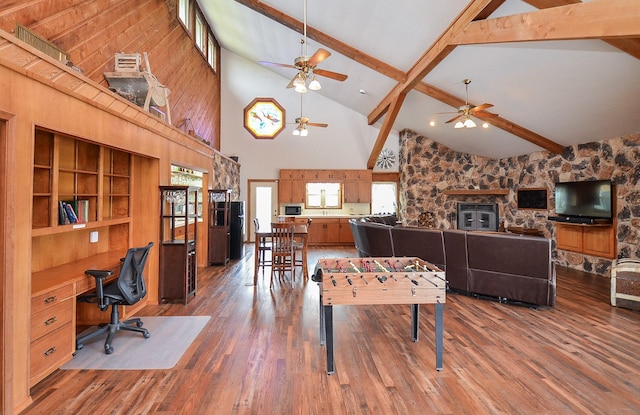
(625,283)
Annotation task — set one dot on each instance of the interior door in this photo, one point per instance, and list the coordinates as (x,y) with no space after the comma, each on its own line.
(263,204)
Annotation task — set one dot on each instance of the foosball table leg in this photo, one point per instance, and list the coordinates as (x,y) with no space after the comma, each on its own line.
(415,321)
(323,337)
(328,323)
(439,335)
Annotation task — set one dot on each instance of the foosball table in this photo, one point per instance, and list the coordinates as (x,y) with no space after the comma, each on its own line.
(371,281)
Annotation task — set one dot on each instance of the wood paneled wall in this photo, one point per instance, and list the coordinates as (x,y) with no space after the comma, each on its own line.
(91,32)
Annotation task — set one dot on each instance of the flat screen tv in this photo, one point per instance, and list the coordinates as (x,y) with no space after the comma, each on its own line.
(586,199)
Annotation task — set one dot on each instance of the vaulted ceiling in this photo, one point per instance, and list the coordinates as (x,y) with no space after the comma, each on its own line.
(558,72)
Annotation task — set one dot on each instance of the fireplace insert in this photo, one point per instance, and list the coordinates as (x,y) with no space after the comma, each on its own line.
(478,216)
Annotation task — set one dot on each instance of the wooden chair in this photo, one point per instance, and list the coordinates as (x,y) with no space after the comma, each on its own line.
(264,246)
(282,259)
(299,251)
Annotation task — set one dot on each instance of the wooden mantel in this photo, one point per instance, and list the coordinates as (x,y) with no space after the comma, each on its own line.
(476,192)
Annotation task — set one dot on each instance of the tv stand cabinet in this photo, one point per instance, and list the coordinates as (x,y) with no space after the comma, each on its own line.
(596,240)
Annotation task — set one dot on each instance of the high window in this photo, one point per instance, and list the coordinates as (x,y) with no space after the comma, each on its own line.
(195,23)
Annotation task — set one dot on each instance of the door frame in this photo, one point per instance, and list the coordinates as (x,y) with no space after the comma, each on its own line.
(249,214)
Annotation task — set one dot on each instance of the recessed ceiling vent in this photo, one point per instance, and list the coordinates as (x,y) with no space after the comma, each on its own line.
(41,44)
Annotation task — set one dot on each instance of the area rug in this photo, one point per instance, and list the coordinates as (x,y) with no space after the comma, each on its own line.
(170,338)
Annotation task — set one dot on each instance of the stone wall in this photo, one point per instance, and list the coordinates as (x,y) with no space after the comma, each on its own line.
(428,168)
(226,175)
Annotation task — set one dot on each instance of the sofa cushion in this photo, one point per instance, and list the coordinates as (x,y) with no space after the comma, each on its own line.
(426,244)
(375,239)
(517,268)
(455,252)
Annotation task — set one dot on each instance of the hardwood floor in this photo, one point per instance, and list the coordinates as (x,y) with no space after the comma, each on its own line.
(260,354)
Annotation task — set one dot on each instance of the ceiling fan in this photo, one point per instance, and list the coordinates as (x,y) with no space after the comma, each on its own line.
(466,111)
(307,66)
(303,122)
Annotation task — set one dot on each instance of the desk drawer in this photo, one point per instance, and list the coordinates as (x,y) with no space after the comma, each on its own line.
(47,320)
(50,352)
(51,298)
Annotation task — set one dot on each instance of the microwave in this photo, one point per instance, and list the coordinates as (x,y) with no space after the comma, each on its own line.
(292,210)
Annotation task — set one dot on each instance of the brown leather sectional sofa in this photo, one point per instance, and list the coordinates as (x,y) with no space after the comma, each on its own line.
(507,267)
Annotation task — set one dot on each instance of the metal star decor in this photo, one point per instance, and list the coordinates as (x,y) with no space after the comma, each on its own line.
(386,159)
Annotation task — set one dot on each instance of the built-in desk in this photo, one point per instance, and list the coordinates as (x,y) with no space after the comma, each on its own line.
(55,314)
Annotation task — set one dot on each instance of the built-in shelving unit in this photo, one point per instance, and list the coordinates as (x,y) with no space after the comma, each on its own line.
(95,181)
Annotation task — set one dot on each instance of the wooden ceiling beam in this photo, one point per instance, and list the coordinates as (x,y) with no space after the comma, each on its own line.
(434,55)
(387,125)
(594,20)
(630,45)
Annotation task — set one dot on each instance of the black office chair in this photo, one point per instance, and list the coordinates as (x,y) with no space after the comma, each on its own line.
(128,289)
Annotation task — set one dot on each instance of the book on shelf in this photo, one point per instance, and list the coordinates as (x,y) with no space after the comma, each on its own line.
(63,218)
(82,210)
(73,218)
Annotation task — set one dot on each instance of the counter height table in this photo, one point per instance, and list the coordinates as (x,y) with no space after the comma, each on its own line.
(263,235)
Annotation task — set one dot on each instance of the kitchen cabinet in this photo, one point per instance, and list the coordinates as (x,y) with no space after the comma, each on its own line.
(330,231)
(357,186)
(291,186)
(345,236)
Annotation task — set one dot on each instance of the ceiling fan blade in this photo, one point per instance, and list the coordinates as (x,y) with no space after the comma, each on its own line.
(454,118)
(483,114)
(284,65)
(319,56)
(315,124)
(328,74)
(481,107)
(290,85)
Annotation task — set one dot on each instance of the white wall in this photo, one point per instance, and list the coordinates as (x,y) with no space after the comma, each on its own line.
(345,144)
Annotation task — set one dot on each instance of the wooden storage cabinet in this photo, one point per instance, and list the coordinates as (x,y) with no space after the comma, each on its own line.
(178,234)
(345,234)
(52,331)
(357,186)
(596,240)
(291,186)
(330,231)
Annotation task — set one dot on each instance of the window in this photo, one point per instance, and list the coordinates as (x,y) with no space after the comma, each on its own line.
(201,33)
(211,51)
(383,197)
(183,12)
(324,195)
(195,23)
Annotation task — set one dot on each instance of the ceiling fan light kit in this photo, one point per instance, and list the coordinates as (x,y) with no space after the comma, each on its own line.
(306,65)
(463,119)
